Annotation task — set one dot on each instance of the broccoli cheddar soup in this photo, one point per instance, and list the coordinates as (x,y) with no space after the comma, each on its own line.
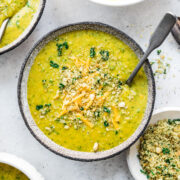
(10,173)
(77,93)
(21,13)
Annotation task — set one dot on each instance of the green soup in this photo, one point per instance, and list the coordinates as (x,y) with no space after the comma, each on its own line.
(21,13)
(10,173)
(77,95)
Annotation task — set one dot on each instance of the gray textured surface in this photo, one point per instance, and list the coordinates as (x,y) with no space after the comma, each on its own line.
(138,21)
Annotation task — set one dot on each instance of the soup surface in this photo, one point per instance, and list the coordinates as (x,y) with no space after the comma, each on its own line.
(10,173)
(77,95)
(20,12)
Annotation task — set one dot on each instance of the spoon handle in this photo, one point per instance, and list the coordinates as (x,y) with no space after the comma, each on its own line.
(156,40)
(3,28)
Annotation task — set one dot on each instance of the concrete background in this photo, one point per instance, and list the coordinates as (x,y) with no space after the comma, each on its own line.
(138,21)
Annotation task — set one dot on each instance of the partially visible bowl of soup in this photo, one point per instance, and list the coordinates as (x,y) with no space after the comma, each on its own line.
(24,16)
(73,95)
(117,2)
(15,168)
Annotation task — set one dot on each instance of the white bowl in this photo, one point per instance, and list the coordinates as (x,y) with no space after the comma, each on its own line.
(117,2)
(132,159)
(27,31)
(21,165)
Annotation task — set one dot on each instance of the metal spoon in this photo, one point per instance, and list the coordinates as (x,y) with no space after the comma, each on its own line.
(3,28)
(157,38)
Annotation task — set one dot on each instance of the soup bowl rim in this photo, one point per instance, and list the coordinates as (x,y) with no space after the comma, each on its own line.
(42,138)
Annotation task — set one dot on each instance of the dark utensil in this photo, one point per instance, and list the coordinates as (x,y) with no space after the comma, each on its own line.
(156,40)
(176,31)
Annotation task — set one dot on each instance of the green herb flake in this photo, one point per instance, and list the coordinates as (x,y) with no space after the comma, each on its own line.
(81,108)
(92,52)
(165,150)
(64,67)
(97,114)
(53,64)
(173,121)
(104,55)
(105,109)
(106,124)
(119,84)
(61,86)
(158,52)
(47,105)
(165,71)
(167,161)
(38,107)
(60,47)
(116,132)
(145,173)
(65,44)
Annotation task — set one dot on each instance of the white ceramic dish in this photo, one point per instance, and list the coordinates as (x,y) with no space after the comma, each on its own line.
(21,165)
(132,159)
(117,2)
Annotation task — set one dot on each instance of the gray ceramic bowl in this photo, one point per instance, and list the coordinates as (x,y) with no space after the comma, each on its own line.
(27,31)
(23,103)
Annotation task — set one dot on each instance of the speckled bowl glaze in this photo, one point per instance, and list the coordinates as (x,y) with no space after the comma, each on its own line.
(21,165)
(27,31)
(24,107)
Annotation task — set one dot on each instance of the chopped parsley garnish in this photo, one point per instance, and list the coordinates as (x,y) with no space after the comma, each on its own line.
(147,175)
(158,52)
(65,44)
(106,124)
(104,55)
(61,86)
(38,107)
(60,47)
(64,67)
(165,71)
(172,121)
(47,105)
(165,150)
(53,64)
(97,114)
(81,108)
(167,161)
(105,109)
(116,132)
(92,52)
(119,84)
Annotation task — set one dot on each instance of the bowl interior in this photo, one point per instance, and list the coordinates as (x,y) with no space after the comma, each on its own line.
(27,31)
(132,159)
(117,2)
(21,165)
(23,103)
